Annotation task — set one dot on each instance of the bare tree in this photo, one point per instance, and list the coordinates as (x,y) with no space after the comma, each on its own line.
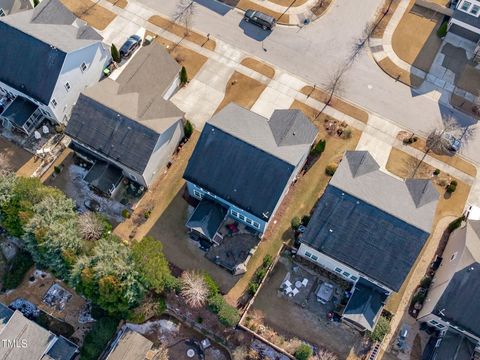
(184,13)
(325,355)
(90,226)
(194,289)
(361,42)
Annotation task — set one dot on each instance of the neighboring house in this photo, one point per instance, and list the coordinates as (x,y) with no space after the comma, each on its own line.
(368,228)
(23,339)
(9,7)
(452,304)
(466,20)
(48,57)
(130,345)
(126,123)
(243,165)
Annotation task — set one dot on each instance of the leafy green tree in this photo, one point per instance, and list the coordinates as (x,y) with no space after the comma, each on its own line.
(228,315)
(188,129)
(96,340)
(51,235)
(381,329)
(151,263)
(115,54)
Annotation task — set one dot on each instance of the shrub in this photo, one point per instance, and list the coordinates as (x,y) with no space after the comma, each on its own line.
(426,281)
(381,329)
(436,172)
(115,54)
(215,303)
(330,169)
(303,352)
(161,306)
(183,76)
(57,169)
(18,268)
(454,182)
(96,340)
(188,129)
(455,224)
(213,288)
(346,134)
(451,188)
(442,30)
(319,148)
(296,222)
(419,297)
(305,220)
(228,315)
(253,287)
(147,214)
(267,261)
(125,213)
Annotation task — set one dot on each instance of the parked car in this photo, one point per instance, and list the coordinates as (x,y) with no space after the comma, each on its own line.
(266,22)
(132,43)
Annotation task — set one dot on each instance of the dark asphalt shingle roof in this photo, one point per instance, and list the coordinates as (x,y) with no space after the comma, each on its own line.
(460,301)
(62,349)
(111,134)
(34,45)
(19,111)
(104,176)
(366,304)
(247,159)
(238,172)
(364,237)
(467,18)
(454,346)
(207,218)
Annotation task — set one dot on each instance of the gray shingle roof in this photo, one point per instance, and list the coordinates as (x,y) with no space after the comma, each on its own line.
(123,118)
(454,346)
(467,18)
(62,349)
(238,159)
(207,218)
(274,136)
(14,6)
(364,237)
(413,201)
(34,44)
(460,302)
(366,304)
(19,111)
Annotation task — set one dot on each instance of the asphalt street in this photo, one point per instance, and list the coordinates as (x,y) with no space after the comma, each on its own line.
(317,51)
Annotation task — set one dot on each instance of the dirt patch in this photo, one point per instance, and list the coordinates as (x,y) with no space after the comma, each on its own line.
(415,39)
(259,67)
(336,103)
(242,90)
(399,74)
(247,4)
(34,292)
(13,157)
(455,161)
(299,201)
(192,60)
(95,15)
(120,3)
(182,32)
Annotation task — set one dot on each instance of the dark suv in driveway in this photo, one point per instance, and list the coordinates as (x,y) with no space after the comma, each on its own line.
(266,22)
(130,45)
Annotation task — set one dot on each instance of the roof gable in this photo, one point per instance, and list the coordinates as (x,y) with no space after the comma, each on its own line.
(361,163)
(291,127)
(422,190)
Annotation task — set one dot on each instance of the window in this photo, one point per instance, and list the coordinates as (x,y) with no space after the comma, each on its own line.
(314,258)
(256,225)
(234,213)
(433,322)
(440,326)
(354,278)
(2,13)
(475,10)
(338,270)
(83,67)
(241,217)
(465,5)
(133,177)
(197,193)
(346,274)
(54,103)
(307,254)
(249,222)
(67,86)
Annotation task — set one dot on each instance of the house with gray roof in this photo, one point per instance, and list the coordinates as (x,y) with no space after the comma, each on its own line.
(48,57)
(369,227)
(466,20)
(126,125)
(23,339)
(243,165)
(8,7)
(130,345)
(453,300)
